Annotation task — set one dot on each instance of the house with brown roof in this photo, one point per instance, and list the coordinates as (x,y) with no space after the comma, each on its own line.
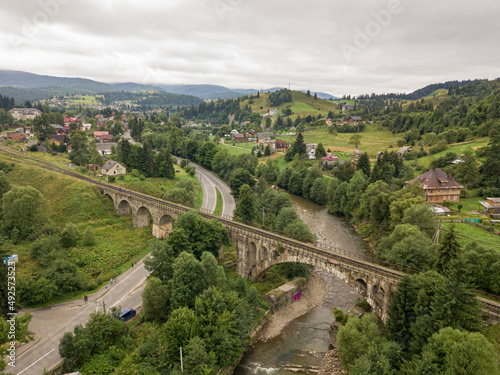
(58,139)
(16,136)
(280,145)
(438,186)
(238,137)
(105,138)
(354,120)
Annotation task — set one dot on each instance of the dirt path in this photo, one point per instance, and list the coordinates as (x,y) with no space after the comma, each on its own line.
(312,296)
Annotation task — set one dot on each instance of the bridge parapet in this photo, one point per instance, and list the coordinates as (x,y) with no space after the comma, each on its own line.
(258,250)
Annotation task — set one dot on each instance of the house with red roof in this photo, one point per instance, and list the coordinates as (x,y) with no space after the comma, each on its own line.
(330,159)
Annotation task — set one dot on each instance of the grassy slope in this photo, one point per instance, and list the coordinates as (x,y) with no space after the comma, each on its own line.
(71,200)
(301,105)
(374,139)
(155,187)
(468,233)
(457,148)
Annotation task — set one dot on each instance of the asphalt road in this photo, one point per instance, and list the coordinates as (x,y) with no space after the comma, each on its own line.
(50,324)
(209,182)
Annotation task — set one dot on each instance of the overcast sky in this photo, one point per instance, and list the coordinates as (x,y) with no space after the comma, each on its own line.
(335,46)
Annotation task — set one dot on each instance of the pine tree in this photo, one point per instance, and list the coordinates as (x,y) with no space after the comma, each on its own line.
(315,96)
(449,251)
(308,93)
(364,164)
(320,151)
(267,151)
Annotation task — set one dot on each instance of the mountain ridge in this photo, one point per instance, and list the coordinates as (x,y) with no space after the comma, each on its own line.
(24,86)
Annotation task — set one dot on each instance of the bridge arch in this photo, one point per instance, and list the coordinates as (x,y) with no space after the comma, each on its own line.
(163,227)
(124,207)
(360,282)
(142,217)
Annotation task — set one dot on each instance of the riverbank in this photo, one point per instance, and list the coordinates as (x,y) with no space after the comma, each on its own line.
(312,296)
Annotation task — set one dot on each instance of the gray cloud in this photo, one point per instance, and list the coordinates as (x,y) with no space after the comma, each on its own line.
(319,45)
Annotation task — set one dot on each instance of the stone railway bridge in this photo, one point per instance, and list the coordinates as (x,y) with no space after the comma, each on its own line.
(258,250)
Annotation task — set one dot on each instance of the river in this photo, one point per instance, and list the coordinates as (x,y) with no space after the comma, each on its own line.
(304,342)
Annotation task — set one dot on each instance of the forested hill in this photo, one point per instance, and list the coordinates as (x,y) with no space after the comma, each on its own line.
(471,110)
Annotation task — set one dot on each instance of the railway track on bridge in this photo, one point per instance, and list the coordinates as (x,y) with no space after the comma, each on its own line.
(346,258)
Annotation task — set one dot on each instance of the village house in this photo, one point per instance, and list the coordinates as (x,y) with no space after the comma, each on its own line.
(105,138)
(438,186)
(250,133)
(354,120)
(238,138)
(24,113)
(273,112)
(492,207)
(346,107)
(328,121)
(311,150)
(113,168)
(280,145)
(263,138)
(85,127)
(38,144)
(59,129)
(57,139)
(16,136)
(358,153)
(93,167)
(403,150)
(105,148)
(330,159)
(99,132)
(341,121)
(69,120)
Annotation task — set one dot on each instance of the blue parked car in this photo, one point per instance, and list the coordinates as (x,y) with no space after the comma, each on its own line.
(127,314)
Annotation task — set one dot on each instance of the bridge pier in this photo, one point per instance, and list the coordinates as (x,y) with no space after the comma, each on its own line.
(258,250)
(144,212)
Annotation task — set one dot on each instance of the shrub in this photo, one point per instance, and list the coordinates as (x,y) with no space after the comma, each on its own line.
(89,237)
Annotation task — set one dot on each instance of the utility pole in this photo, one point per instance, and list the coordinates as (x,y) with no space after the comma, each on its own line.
(182,365)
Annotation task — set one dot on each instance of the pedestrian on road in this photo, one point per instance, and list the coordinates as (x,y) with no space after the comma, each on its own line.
(132,264)
(111,281)
(85,298)
(135,262)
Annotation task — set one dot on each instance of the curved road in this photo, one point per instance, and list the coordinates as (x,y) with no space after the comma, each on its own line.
(209,182)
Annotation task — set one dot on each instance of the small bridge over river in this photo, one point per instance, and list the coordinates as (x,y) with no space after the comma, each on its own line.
(258,250)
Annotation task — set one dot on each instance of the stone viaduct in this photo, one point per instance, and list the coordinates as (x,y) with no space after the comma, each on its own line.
(258,250)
